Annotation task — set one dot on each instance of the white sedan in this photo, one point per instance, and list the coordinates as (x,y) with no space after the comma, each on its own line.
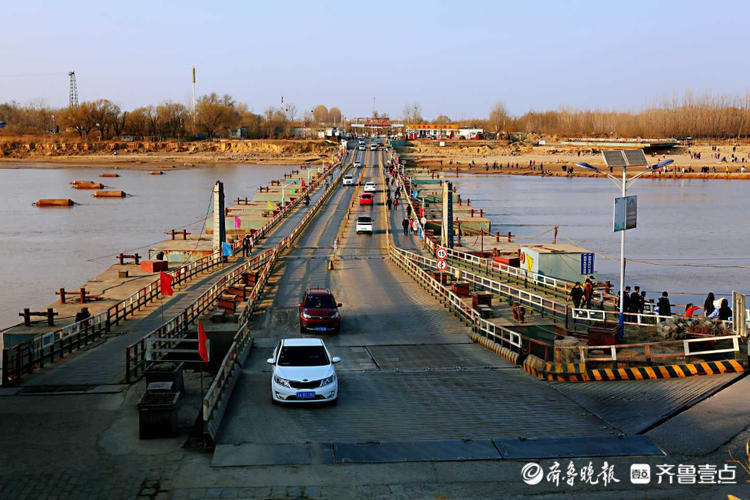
(370,187)
(357,164)
(303,372)
(348,180)
(364,224)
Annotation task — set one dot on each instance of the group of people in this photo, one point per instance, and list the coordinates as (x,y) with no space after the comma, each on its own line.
(634,302)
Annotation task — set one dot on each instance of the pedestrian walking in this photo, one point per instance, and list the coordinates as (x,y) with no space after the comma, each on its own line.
(708,305)
(405,225)
(411,225)
(665,308)
(246,246)
(576,293)
(588,292)
(388,203)
(408,210)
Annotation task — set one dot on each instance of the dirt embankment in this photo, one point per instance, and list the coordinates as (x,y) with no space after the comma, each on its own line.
(72,150)
(725,159)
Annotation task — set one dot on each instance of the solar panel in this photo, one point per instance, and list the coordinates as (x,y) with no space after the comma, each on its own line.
(614,158)
(625,158)
(635,158)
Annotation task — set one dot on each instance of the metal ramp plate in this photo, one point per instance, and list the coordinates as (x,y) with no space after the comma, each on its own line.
(228,455)
(577,447)
(416,451)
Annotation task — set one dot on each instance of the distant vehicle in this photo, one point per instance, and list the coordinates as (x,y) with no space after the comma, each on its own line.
(370,187)
(357,164)
(364,224)
(365,199)
(361,147)
(374,146)
(319,312)
(348,180)
(303,372)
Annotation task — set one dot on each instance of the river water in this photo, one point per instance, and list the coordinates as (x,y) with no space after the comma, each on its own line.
(43,249)
(689,222)
(693,233)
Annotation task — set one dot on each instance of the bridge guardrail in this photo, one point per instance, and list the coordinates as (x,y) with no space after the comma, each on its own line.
(215,400)
(517,342)
(26,356)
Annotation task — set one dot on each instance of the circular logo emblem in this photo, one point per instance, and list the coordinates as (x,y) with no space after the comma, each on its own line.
(532,473)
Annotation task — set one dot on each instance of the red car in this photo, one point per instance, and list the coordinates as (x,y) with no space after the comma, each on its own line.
(319,312)
(365,199)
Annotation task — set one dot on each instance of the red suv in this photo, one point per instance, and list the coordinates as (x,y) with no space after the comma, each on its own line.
(319,312)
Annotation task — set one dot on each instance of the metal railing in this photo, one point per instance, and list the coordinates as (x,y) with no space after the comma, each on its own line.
(517,342)
(217,396)
(46,348)
(135,353)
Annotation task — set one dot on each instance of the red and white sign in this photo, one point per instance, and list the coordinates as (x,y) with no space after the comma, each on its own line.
(441,253)
(442,265)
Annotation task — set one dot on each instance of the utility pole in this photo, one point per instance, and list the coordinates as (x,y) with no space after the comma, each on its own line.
(194,130)
(73,91)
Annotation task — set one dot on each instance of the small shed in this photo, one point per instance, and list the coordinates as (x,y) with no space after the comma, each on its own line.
(561,261)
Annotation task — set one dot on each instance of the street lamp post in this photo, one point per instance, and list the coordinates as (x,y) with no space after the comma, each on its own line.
(620,158)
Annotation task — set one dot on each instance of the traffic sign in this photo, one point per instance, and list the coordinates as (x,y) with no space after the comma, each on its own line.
(441,253)
(442,265)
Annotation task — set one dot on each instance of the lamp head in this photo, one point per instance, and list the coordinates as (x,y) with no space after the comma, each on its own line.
(590,167)
(661,164)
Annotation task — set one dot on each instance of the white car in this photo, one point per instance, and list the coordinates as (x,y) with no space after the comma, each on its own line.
(357,164)
(348,180)
(370,187)
(364,224)
(361,147)
(373,147)
(303,372)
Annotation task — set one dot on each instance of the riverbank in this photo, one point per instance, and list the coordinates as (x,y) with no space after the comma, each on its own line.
(725,160)
(60,152)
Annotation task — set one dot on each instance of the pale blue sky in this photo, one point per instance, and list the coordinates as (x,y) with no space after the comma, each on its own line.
(457,58)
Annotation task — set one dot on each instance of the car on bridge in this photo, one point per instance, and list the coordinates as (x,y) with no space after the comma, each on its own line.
(361,147)
(348,180)
(364,224)
(370,187)
(374,146)
(357,164)
(303,372)
(365,199)
(319,311)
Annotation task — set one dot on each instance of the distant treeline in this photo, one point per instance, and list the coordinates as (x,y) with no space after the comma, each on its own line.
(217,115)
(214,116)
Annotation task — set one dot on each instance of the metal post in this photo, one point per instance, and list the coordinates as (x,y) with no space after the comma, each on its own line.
(621,321)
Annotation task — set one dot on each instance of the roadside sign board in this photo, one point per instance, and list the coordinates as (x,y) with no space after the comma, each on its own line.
(625,213)
(442,265)
(587,263)
(441,253)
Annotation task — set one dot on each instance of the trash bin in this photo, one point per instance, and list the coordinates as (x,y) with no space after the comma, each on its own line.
(478,298)
(166,371)
(157,414)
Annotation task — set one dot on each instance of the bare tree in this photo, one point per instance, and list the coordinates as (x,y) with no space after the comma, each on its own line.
(334,115)
(499,118)
(320,114)
(413,113)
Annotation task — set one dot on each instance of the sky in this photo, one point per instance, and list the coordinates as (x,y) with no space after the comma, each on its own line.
(455,58)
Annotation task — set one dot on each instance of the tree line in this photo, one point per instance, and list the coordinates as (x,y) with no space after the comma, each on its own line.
(214,116)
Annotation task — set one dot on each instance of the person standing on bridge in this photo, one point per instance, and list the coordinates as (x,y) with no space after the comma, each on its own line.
(246,246)
(665,308)
(405,225)
(575,294)
(588,293)
(388,203)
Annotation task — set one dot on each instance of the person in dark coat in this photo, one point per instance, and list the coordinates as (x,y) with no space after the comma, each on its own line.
(246,246)
(708,305)
(575,294)
(635,299)
(405,225)
(665,308)
(725,312)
